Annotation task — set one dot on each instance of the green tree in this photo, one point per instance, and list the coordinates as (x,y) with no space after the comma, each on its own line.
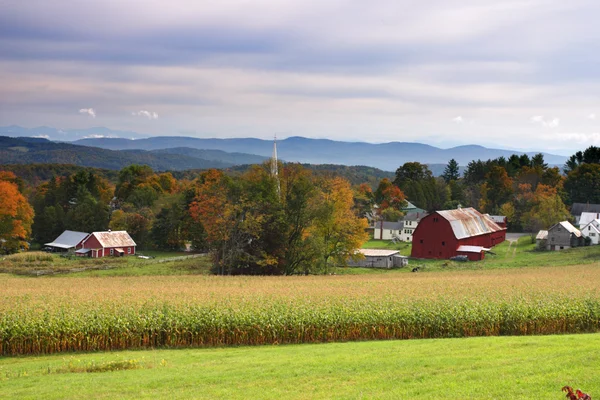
(451,172)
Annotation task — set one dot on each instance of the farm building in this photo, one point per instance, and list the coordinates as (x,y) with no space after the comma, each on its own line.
(592,230)
(501,220)
(105,244)
(411,221)
(441,234)
(377,258)
(577,209)
(540,239)
(386,230)
(587,217)
(563,235)
(67,240)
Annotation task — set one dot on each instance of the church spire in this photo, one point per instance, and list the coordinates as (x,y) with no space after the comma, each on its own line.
(274,166)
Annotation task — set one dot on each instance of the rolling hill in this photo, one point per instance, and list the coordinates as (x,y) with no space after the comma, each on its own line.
(385,156)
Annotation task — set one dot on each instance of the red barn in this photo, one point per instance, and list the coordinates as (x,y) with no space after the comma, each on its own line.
(105,244)
(445,234)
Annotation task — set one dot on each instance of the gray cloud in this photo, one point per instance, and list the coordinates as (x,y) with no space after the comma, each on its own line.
(383,71)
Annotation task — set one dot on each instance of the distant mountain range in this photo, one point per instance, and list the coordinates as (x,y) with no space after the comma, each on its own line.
(37,150)
(385,156)
(174,152)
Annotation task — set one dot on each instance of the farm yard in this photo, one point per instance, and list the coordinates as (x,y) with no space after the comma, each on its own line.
(172,302)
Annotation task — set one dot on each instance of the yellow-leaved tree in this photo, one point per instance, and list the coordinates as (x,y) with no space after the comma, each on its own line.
(336,226)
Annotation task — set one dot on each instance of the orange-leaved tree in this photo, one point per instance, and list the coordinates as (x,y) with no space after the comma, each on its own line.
(16,216)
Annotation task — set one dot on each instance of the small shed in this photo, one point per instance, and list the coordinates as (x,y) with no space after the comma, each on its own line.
(378,258)
(540,239)
(67,240)
(473,253)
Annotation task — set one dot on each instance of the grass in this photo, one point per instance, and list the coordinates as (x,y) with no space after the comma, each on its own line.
(483,368)
(40,263)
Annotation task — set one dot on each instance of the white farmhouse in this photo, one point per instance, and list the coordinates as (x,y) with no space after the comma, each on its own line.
(411,221)
(386,230)
(587,217)
(592,230)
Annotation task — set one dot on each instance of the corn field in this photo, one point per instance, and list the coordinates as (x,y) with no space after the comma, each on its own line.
(52,315)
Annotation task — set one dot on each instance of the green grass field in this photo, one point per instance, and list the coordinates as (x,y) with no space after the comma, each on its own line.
(475,368)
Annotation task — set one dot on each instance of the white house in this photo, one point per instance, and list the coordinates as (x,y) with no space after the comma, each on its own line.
(386,230)
(587,217)
(411,221)
(592,230)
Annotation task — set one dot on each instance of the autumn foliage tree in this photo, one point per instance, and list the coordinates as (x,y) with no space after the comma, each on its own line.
(16,216)
(255,225)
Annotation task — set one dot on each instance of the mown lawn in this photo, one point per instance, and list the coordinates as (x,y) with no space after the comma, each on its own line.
(474,368)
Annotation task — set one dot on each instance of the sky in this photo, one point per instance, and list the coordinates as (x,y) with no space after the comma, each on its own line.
(520,74)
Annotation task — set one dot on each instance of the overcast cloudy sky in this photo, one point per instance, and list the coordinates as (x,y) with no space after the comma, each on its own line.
(513,73)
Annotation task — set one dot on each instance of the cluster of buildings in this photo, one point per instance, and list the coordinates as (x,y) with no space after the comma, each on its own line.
(95,244)
(564,235)
(441,235)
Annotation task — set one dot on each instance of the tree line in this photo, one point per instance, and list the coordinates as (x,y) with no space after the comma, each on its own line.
(299,222)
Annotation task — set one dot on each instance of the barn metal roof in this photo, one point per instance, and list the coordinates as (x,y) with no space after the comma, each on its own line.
(68,239)
(468,222)
(567,225)
(377,252)
(472,249)
(542,235)
(499,219)
(114,239)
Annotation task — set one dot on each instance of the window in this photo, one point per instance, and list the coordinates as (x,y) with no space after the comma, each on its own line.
(391,232)
(421,241)
(443,243)
(112,252)
(129,250)
(592,234)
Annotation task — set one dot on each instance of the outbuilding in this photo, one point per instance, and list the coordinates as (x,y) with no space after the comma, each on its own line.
(67,240)
(441,234)
(379,258)
(105,244)
(562,236)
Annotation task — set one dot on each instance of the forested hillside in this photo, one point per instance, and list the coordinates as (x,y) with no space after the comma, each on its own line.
(36,150)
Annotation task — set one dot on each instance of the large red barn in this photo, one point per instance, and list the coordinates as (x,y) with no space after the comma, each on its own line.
(105,244)
(448,233)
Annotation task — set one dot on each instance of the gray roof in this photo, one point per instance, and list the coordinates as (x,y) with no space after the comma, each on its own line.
(567,225)
(378,252)
(414,216)
(68,239)
(578,208)
(396,226)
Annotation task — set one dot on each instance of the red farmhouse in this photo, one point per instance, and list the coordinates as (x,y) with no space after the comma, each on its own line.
(449,233)
(105,244)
